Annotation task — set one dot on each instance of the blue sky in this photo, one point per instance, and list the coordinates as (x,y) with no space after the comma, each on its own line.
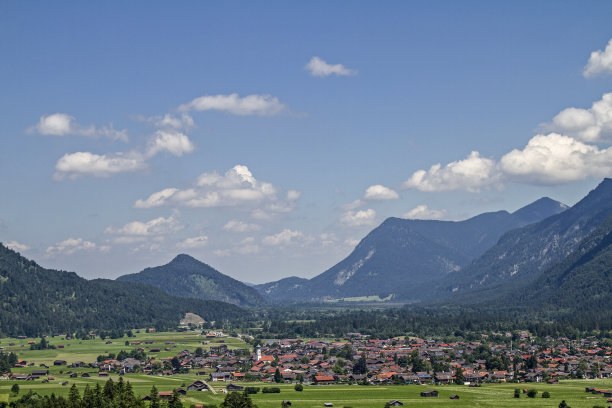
(267,138)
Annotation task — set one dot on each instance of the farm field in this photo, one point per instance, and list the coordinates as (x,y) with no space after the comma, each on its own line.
(356,396)
(88,350)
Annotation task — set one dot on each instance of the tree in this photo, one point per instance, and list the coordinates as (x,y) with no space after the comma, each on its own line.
(298,387)
(546,394)
(74,397)
(154,398)
(563,404)
(278,378)
(237,400)
(15,389)
(175,401)
(517,393)
(360,367)
(532,393)
(459,378)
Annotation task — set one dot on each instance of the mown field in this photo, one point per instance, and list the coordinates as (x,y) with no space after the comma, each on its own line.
(356,396)
(88,350)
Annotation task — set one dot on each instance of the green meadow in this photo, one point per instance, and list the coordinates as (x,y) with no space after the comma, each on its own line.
(356,396)
(88,350)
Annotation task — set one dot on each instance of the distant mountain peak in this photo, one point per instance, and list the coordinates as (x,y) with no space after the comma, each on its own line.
(182,258)
(185,276)
(540,209)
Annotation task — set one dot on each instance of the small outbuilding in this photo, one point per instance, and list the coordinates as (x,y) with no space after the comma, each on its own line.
(429,393)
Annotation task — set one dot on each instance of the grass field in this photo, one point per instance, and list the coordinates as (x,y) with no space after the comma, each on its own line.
(88,350)
(489,395)
(356,396)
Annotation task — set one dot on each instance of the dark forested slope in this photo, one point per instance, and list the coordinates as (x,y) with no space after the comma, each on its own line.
(36,300)
(185,276)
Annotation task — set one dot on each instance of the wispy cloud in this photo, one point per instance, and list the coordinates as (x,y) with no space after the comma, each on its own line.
(422,212)
(16,246)
(154,227)
(72,245)
(62,124)
(317,67)
(250,105)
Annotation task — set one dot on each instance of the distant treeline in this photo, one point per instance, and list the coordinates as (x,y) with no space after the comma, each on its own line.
(461,322)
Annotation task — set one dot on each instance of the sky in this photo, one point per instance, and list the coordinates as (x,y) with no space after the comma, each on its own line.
(267,138)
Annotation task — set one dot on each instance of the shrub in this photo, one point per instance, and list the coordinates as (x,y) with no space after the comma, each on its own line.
(532,393)
(546,394)
(270,390)
(251,390)
(298,387)
(517,393)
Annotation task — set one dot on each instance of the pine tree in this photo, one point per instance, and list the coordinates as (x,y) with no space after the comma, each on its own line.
(74,397)
(154,398)
(175,401)
(278,378)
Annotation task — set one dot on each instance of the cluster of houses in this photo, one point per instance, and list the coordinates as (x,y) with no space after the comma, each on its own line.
(317,362)
(329,362)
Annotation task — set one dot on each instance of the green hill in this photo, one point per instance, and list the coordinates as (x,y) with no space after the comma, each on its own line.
(187,277)
(39,301)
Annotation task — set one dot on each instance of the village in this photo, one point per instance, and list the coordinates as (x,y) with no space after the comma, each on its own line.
(355,359)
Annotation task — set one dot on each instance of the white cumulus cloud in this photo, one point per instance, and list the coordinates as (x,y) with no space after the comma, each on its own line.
(379,192)
(317,67)
(257,105)
(285,237)
(62,124)
(173,142)
(472,174)
(422,212)
(74,165)
(600,62)
(556,159)
(590,125)
(237,187)
(358,218)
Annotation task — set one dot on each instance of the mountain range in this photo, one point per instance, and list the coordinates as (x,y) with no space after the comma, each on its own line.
(544,256)
(405,259)
(524,254)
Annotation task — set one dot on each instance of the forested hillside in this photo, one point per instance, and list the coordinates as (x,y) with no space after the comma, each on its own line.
(185,276)
(39,301)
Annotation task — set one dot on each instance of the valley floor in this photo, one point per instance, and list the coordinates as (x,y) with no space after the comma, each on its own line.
(356,396)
